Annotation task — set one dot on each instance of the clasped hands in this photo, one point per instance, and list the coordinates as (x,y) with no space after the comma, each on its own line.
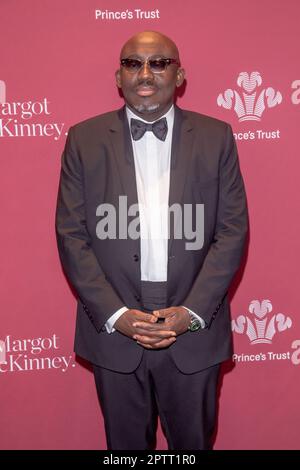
(151,333)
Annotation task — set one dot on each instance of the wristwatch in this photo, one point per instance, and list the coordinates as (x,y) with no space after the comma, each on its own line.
(194,323)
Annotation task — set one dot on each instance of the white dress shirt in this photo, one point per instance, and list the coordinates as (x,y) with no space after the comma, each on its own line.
(152,158)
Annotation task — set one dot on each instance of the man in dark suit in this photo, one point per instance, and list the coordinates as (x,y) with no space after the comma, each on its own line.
(153,315)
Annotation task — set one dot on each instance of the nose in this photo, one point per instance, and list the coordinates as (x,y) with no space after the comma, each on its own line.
(145,71)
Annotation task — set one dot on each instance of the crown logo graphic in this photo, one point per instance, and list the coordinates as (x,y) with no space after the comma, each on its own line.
(2,92)
(250,103)
(2,352)
(261,329)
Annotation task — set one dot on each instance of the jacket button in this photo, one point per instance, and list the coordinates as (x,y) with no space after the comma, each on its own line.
(137,298)
(136,257)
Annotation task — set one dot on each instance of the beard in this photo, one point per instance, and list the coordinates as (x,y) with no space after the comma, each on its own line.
(144,108)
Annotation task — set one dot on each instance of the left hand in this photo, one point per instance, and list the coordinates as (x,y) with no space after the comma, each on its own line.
(177,319)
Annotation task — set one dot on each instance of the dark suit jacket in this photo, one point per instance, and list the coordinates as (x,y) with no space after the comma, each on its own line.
(98,167)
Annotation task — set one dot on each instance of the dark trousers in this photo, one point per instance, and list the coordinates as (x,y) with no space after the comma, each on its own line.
(131,403)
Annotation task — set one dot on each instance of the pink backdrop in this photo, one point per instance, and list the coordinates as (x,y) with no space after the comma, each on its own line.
(56,55)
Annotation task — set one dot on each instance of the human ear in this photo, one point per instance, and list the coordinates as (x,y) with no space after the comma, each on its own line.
(118,78)
(180,77)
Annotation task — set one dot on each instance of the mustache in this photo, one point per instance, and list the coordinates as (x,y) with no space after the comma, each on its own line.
(147,82)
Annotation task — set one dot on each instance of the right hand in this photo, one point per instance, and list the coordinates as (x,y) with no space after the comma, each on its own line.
(156,337)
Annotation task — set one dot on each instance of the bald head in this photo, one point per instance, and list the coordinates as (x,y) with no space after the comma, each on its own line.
(152,40)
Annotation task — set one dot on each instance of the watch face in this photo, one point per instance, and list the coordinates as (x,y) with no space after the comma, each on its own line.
(195,325)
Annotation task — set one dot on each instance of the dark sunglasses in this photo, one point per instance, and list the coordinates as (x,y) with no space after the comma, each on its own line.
(155,65)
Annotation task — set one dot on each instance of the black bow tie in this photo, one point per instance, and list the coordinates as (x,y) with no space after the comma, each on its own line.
(159,128)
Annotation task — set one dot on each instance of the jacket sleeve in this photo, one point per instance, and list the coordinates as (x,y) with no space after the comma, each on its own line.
(224,255)
(79,262)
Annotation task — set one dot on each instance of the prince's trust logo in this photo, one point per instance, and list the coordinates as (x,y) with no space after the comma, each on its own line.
(250,103)
(261,328)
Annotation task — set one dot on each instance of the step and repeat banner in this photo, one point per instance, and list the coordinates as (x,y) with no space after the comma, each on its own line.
(58,59)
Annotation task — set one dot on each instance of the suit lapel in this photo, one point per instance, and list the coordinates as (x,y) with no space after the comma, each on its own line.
(121,142)
(123,155)
(182,143)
